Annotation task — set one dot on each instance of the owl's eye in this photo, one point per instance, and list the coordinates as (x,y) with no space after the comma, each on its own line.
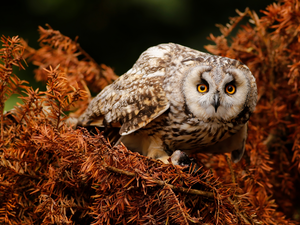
(202,88)
(230,89)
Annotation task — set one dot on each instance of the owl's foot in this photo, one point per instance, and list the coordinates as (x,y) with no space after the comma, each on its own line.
(182,159)
(177,158)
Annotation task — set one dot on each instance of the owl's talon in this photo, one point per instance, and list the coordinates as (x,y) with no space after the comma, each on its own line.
(182,159)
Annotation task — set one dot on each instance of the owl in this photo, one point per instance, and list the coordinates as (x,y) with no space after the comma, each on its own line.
(176,98)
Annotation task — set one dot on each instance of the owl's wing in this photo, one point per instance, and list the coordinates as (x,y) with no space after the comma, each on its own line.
(130,103)
(137,97)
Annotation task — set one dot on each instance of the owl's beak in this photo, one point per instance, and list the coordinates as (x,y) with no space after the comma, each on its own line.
(216,103)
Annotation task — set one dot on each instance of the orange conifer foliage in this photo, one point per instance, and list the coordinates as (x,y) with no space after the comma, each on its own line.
(57,49)
(271,49)
(53,174)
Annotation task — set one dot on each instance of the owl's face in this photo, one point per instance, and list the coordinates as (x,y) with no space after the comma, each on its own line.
(216,93)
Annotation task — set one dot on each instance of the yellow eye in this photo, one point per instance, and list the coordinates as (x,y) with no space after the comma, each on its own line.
(230,89)
(202,88)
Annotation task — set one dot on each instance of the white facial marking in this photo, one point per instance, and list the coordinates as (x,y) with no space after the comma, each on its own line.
(201,104)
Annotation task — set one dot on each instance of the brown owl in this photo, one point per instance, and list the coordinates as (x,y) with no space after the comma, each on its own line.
(177,98)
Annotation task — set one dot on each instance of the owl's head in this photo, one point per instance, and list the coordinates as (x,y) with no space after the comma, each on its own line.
(219,89)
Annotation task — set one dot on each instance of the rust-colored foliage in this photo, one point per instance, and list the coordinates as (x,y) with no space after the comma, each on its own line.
(53,174)
(270,48)
(59,50)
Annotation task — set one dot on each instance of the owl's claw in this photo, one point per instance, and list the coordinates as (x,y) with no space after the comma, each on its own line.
(182,159)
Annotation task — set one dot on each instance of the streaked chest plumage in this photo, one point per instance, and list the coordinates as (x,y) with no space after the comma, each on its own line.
(186,132)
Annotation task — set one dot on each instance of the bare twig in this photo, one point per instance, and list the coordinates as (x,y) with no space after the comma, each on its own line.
(5,184)
(163,183)
(238,211)
(231,169)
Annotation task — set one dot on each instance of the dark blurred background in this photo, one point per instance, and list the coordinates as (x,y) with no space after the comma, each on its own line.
(116,32)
